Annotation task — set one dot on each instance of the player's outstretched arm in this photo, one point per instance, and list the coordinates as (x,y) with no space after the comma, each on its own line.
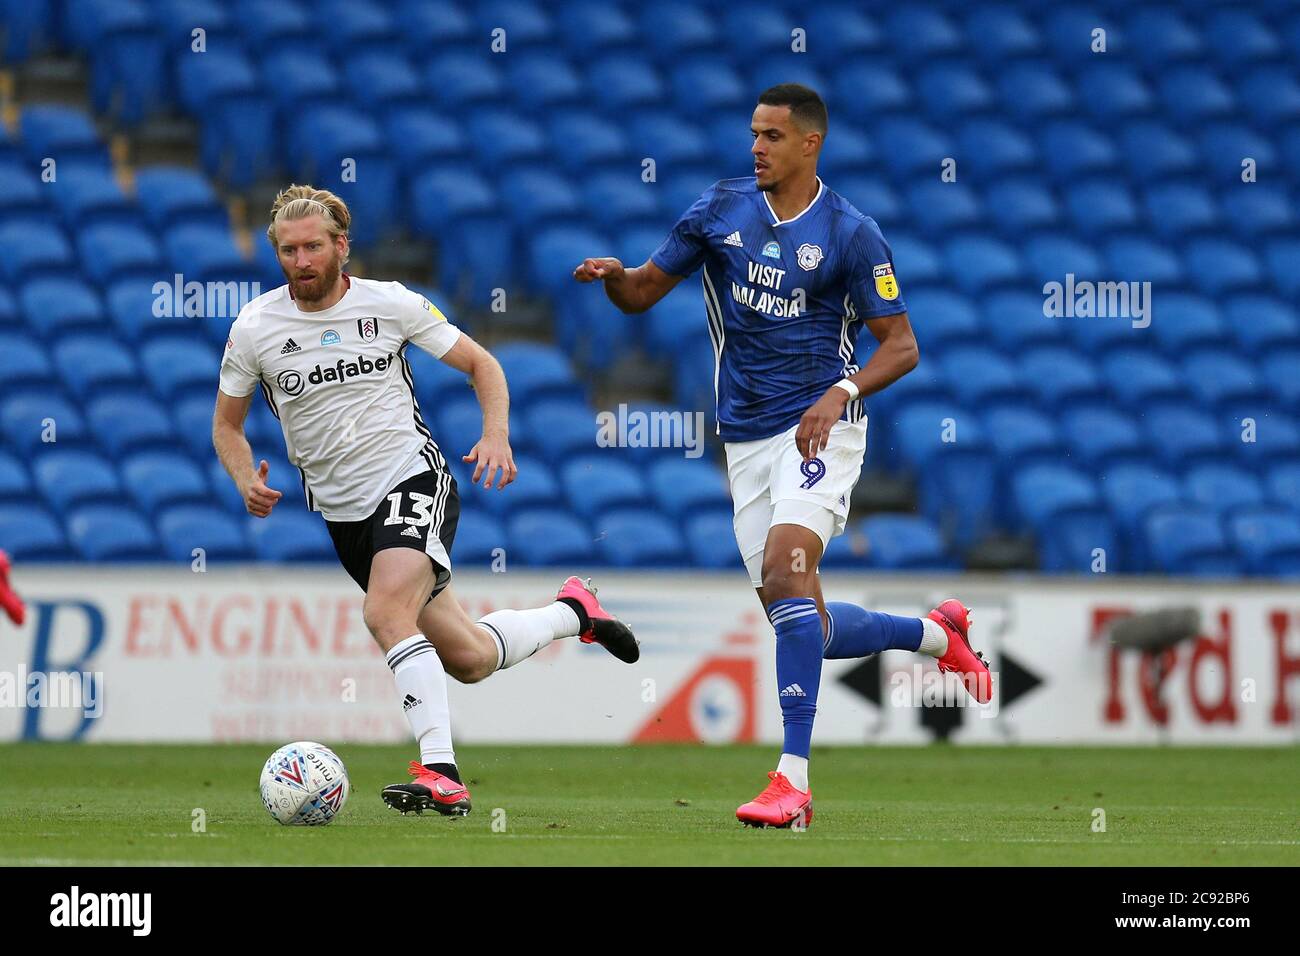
(492,451)
(237,455)
(632,290)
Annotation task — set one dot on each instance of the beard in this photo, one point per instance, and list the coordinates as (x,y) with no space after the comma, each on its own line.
(316,288)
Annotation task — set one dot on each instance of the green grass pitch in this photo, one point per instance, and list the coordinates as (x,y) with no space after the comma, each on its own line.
(68,804)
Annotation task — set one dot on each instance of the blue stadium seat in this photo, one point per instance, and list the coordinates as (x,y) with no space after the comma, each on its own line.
(676,320)
(869,89)
(1021,436)
(1044,493)
(639,538)
(503,137)
(299,77)
(156,479)
(480,539)
(207,254)
(20,190)
(27,418)
(241,139)
(703,84)
(847,550)
(586,25)
(1156,153)
(1051,256)
(956,473)
(535,487)
(203,80)
(946,318)
(711,539)
(1032,90)
(905,543)
(537,372)
(939,208)
(1099,436)
(1061,377)
(915,259)
(1112,91)
(1224,145)
(29,28)
(545,537)
(67,477)
(1194,94)
(55,307)
(32,534)
(23,363)
(33,248)
(1187,322)
(1160,37)
(597,483)
(1189,540)
(187,527)
(1181,435)
(1138,378)
(850,152)
(953,90)
(682,487)
(1179,209)
(125,422)
(63,133)
(568,427)
(1284,484)
(1221,379)
(1072,528)
(837,31)
(1132,491)
(1240,37)
(872,196)
(420,135)
(616,200)
(582,141)
(1075,149)
(1222,488)
(980,264)
(533,197)
(110,252)
(1271,95)
(139,314)
(1219,267)
(626,82)
(992,149)
(360,27)
(15,484)
(1138,259)
(980,375)
(1262,324)
(676,28)
(193,419)
(464,78)
(916,147)
(1280,256)
(1268,539)
(88,193)
(175,367)
(556,252)
(106,532)
(460,426)
(1016,320)
(1000,35)
(1023,205)
(91,364)
(1100,208)
(175,195)
(291,535)
(1276,438)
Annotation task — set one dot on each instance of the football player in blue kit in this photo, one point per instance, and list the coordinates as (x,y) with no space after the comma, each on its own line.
(791,272)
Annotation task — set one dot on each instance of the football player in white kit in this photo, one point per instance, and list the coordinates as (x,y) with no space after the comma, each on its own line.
(326,351)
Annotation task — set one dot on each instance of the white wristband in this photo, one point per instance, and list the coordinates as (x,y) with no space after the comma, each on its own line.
(848,386)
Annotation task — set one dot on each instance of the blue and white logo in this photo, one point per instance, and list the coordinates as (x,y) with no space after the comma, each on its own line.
(330,337)
(772,250)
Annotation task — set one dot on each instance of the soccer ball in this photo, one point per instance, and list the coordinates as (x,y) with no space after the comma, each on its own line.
(304,784)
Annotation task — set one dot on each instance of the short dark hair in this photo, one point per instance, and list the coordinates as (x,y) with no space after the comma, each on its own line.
(806,107)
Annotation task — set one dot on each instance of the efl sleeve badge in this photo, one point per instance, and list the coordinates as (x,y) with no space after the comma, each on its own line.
(886,284)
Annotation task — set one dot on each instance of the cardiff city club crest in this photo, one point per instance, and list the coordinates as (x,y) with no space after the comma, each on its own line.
(810,256)
(368,328)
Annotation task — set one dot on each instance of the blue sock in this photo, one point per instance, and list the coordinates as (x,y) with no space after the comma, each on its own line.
(798,668)
(856,632)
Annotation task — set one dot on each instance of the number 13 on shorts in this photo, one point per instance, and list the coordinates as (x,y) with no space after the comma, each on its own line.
(420,504)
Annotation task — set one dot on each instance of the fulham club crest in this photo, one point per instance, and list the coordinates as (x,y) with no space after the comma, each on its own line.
(368,329)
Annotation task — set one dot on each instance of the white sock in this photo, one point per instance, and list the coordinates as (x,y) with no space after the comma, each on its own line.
(422,684)
(795,770)
(934,639)
(521,634)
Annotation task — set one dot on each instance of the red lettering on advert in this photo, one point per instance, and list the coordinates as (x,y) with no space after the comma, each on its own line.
(1101,619)
(270,612)
(1218,655)
(244,638)
(309,631)
(1288,666)
(189,632)
(135,627)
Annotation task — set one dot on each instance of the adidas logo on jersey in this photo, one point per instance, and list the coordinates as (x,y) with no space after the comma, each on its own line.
(290,346)
(733,239)
(793,690)
(410,702)
(411,532)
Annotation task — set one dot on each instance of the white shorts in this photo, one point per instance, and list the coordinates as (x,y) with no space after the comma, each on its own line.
(771,484)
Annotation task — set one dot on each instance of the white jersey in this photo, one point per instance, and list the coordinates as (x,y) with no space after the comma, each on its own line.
(339,384)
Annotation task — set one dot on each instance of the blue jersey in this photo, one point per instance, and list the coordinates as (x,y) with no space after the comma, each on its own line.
(784,300)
